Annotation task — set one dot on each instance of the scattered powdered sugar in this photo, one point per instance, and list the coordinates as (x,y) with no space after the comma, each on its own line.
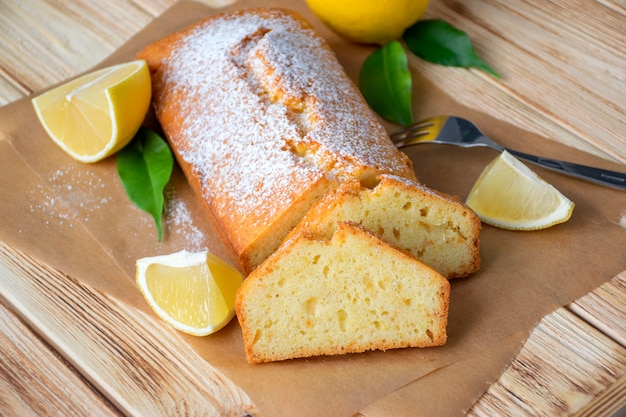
(45,203)
(69,196)
(178,221)
(263,112)
(82,189)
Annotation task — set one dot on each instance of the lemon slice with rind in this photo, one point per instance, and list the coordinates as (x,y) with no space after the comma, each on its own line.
(98,113)
(194,292)
(510,195)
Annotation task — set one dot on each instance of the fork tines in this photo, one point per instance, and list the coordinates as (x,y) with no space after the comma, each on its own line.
(415,130)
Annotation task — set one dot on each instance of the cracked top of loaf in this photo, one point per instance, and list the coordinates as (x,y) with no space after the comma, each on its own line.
(263,120)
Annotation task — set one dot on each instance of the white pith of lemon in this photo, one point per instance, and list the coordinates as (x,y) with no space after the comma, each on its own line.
(369,21)
(510,195)
(97,114)
(194,292)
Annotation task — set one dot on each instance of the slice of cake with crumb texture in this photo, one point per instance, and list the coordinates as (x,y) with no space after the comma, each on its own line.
(349,293)
(435,227)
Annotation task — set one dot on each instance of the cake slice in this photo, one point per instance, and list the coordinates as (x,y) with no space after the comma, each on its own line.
(349,293)
(435,227)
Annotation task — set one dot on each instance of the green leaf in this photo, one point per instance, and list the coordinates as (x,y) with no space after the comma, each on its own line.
(145,166)
(385,81)
(441,43)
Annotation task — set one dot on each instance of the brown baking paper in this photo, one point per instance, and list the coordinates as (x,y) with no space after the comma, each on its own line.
(77,218)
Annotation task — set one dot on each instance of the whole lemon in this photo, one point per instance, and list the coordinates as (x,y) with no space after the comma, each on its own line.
(369,21)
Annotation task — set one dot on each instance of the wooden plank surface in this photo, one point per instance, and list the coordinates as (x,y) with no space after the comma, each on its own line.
(132,361)
(35,381)
(567,367)
(553,37)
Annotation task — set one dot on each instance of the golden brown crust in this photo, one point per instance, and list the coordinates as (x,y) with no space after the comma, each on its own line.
(263,121)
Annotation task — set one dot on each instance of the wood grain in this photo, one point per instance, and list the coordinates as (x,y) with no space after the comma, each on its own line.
(139,364)
(35,31)
(35,381)
(566,367)
(522,39)
(605,308)
(590,332)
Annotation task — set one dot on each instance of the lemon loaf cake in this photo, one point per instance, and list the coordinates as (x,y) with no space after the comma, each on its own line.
(263,121)
(437,228)
(350,293)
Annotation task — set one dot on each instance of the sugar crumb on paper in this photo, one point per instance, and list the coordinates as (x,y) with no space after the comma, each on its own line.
(178,220)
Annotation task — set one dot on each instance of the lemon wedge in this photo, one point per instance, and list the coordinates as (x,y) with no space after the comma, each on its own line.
(194,292)
(511,196)
(96,114)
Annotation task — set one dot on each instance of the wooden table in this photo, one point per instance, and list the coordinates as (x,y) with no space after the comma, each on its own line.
(578,47)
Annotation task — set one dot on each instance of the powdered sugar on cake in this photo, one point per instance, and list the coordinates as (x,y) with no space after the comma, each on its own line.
(263,93)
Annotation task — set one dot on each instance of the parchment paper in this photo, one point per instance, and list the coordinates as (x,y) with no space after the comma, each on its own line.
(77,218)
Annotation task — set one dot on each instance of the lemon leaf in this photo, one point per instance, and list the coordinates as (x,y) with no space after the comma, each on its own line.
(385,82)
(145,166)
(439,42)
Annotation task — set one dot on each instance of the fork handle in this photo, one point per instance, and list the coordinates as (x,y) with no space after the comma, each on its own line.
(600,176)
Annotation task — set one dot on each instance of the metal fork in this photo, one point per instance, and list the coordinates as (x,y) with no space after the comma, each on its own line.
(461,132)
